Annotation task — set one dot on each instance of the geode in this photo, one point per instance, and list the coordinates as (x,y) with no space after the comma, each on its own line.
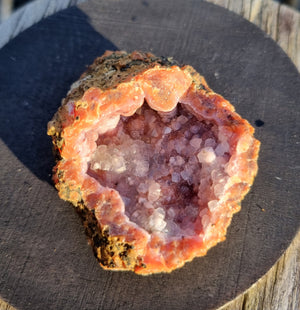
(155,162)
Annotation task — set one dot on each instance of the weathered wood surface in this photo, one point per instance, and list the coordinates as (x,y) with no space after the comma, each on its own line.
(279,288)
(280,22)
(5,9)
(30,14)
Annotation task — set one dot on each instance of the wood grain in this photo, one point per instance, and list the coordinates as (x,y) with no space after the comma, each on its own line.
(280,22)
(24,17)
(279,288)
(5,9)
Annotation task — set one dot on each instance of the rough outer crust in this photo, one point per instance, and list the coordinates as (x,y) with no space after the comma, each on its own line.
(107,73)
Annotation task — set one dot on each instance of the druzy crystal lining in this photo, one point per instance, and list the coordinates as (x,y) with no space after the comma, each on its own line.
(163,165)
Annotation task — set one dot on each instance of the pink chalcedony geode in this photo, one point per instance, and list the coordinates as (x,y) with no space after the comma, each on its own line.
(153,159)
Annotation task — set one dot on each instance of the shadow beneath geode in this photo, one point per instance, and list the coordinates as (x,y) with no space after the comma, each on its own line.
(36,71)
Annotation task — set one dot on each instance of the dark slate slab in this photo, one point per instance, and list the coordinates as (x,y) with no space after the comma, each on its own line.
(45,261)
